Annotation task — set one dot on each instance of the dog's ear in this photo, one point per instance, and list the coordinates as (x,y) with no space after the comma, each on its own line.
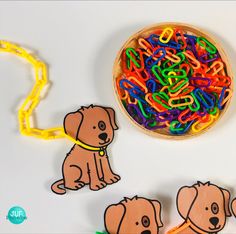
(113,217)
(226,194)
(157,208)
(185,199)
(111,114)
(72,122)
(233,207)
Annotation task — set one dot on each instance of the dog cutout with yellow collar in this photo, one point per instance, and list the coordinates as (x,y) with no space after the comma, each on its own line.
(91,129)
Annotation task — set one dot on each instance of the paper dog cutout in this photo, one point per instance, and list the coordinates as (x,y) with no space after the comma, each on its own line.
(92,130)
(204,208)
(233,206)
(137,215)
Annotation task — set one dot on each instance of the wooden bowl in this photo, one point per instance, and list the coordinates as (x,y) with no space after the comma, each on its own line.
(133,42)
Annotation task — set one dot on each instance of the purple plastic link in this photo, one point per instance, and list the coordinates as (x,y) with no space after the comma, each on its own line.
(200,78)
(203,60)
(139,113)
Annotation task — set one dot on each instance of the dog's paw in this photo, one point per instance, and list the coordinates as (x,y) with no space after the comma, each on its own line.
(98,185)
(75,185)
(112,179)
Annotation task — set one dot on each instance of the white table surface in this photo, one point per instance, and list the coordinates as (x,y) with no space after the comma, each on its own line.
(79,41)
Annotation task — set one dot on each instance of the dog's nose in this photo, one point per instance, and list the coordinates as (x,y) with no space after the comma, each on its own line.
(214,221)
(146,232)
(103,136)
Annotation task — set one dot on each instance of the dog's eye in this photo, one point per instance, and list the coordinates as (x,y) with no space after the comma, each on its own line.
(214,208)
(101,125)
(145,221)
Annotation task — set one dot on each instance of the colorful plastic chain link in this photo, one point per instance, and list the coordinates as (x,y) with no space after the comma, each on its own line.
(33,99)
(173,80)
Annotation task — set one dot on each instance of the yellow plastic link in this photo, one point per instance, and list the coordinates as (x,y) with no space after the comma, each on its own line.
(167,32)
(170,79)
(33,99)
(199,126)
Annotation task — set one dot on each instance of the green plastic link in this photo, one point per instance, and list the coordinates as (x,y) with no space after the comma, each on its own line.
(163,80)
(128,50)
(172,126)
(161,94)
(208,46)
(143,111)
(194,109)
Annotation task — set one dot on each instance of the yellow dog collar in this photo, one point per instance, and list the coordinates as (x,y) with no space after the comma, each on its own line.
(101,150)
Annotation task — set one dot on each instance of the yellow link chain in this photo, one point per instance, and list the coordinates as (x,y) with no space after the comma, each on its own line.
(33,99)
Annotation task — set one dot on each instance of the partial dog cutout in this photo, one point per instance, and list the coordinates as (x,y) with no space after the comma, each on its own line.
(233,206)
(204,208)
(133,216)
(92,130)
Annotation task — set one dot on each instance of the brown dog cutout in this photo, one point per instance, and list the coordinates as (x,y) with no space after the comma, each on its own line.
(133,216)
(87,163)
(204,207)
(233,206)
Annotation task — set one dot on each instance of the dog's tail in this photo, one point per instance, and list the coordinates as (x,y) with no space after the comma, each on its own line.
(56,187)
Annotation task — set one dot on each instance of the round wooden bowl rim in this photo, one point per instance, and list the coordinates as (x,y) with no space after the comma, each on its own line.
(191,29)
